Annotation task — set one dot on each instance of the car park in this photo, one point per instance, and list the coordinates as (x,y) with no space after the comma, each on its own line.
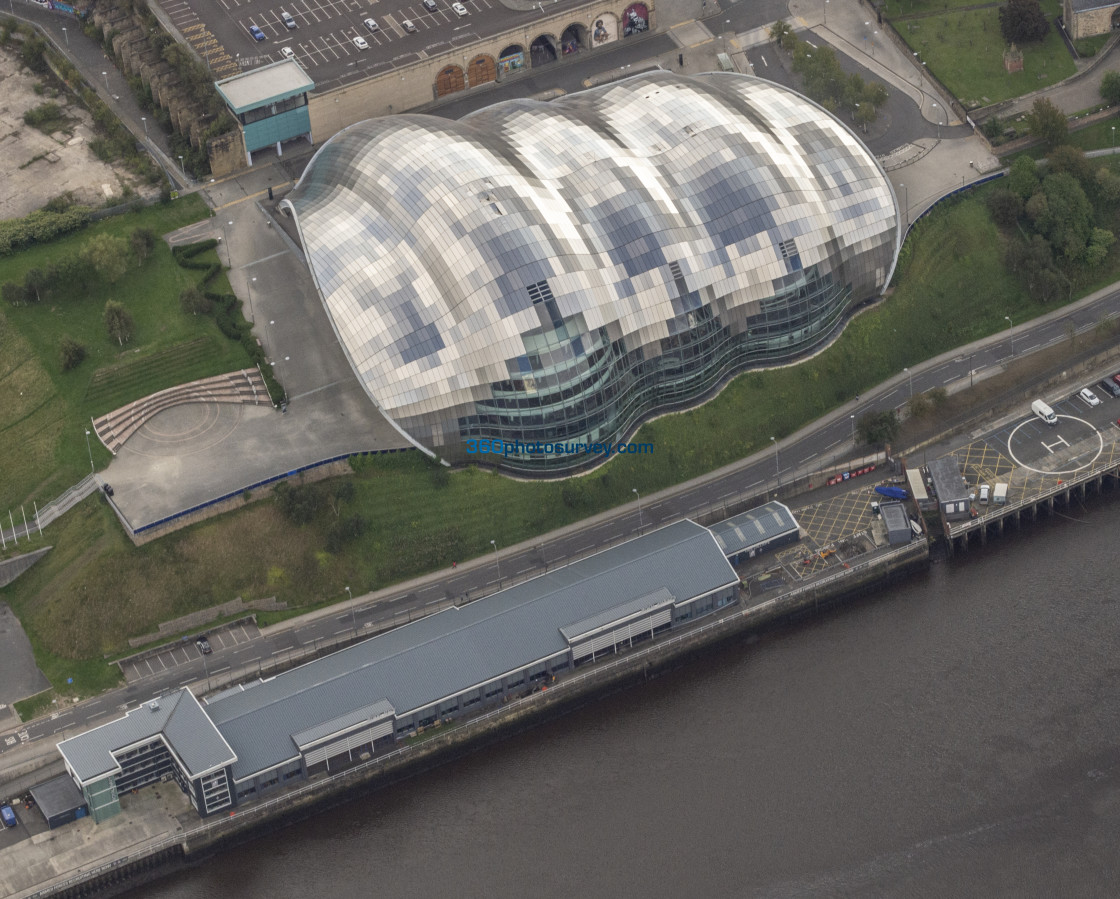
(459,9)
(431,5)
(1088,396)
(408,26)
(361,43)
(287,52)
(257,34)
(371,24)
(289,22)
(1109,387)
(203,646)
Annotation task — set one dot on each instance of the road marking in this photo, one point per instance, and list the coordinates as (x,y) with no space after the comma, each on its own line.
(764,62)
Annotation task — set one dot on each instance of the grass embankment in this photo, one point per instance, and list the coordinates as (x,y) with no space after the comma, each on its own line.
(44,411)
(1098,136)
(964,49)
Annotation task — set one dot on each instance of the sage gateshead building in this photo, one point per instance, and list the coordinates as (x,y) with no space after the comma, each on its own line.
(549,274)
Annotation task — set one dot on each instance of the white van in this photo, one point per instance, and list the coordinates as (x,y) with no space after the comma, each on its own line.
(1044,412)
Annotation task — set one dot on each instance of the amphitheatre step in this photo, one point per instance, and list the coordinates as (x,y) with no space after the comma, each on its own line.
(244,387)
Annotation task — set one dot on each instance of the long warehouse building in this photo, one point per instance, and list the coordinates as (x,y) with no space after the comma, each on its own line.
(329,713)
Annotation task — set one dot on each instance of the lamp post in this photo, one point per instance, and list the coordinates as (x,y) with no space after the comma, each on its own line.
(634,490)
(910,375)
(937,120)
(497,561)
(853,419)
(825,12)
(249,284)
(1007,318)
(66,34)
(905,205)
(107,88)
(777,466)
(144,119)
(1113,138)
(182,168)
(229,237)
(353,620)
(90,451)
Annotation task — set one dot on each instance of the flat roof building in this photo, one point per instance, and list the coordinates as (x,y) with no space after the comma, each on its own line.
(270,104)
(334,711)
(951,488)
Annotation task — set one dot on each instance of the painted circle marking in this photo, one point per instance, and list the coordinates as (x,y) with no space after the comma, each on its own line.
(1065,471)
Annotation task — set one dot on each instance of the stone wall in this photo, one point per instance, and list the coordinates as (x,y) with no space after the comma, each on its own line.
(1091,22)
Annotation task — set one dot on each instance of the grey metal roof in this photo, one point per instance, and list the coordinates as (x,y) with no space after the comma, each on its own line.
(378,711)
(630,609)
(755,526)
(178,717)
(57,796)
(441,655)
(947,479)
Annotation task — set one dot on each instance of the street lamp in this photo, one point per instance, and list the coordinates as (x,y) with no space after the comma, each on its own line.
(853,418)
(1113,138)
(634,490)
(910,374)
(353,620)
(252,317)
(1007,318)
(66,34)
(777,467)
(107,88)
(229,237)
(905,205)
(182,168)
(937,120)
(497,561)
(90,451)
(144,119)
(825,12)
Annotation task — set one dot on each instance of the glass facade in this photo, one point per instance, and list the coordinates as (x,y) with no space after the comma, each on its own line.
(556,272)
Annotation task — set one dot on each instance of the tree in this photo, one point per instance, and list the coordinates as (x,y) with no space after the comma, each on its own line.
(35,283)
(71,353)
(118,322)
(1110,88)
(1066,220)
(779,32)
(1023,22)
(69,274)
(1108,187)
(300,504)
(193,301)
(107,255)
(878,428)
(1048,123)
(1004,207)
(1067,158)
(143,240)
(1100,240)
(14,294)
(1023,177)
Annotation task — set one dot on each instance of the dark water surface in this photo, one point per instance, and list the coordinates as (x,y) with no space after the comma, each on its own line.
(954,735)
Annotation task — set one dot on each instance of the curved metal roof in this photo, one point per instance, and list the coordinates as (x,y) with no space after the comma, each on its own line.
(427,237)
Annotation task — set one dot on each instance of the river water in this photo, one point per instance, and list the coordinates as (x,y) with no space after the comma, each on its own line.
(956,734)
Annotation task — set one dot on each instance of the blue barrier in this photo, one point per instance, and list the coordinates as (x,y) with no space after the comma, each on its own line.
(265,482)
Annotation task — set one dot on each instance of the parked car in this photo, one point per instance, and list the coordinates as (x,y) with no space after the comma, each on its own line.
(984,493)
(257,34)
(1116,378)
(408,26)
(1089,397)
(8,816)
(108,488)
(371,24)
(1109,387)
(361,43)
(203,646)
(431,5)
(289,22)
(287,52)
(459,9)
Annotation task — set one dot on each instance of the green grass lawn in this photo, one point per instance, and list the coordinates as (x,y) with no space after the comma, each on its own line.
(1098,136)
(964,49)
(45,411)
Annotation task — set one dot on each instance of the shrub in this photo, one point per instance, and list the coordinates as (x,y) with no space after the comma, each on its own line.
(193,301)
(71,353)
(142,241)
(40,226)
(118,322)
(107,255)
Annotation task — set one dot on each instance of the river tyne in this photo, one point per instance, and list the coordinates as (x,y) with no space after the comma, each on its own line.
(953,735)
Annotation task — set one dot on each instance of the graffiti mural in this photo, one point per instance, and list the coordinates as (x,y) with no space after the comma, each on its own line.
(635,20)
(512,59)
(604,30)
